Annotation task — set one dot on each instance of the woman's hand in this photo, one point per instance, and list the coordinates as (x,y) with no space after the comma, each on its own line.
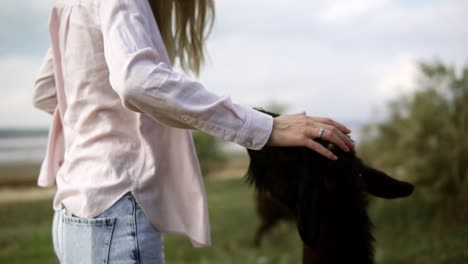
(300,130)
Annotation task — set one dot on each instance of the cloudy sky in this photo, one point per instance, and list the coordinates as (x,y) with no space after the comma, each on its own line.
(336,58)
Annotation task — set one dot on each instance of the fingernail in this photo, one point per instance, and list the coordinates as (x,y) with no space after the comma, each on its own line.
(335,158)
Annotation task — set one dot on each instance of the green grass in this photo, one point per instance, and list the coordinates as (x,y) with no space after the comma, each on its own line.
(233,223)
(407,231)
(414,231)
(25,233)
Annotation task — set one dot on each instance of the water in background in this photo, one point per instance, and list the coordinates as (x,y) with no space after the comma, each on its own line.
(22,146)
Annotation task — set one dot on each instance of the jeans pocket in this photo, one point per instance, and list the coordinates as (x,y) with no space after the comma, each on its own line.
(86,240)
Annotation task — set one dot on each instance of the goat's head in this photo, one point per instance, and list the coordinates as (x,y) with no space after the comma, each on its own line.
(312,186)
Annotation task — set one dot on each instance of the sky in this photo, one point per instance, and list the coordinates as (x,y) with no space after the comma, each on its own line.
(343,59)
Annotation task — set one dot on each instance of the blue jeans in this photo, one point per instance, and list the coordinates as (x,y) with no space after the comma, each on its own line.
(122,234)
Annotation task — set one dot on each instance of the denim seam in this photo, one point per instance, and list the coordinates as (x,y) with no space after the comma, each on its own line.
(135,231)
(92,221)
(108,242)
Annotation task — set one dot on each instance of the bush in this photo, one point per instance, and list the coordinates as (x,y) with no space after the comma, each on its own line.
(209,152)
(424,138)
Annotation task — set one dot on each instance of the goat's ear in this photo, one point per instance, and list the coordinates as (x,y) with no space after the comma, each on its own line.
(307,210)
(381,185)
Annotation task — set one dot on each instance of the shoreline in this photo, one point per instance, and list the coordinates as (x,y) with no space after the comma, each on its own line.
(19,174)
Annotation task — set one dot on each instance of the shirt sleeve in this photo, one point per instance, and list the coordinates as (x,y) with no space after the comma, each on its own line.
(45,92)
(148,85)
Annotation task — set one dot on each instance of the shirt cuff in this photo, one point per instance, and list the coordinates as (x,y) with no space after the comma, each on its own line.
(257,130)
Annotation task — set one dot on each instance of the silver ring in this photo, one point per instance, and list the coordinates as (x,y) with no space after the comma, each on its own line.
(321,132)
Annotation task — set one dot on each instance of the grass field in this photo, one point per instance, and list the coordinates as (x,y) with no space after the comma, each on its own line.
(407,232)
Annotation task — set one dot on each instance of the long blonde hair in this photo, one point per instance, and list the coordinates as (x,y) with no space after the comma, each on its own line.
(185,26)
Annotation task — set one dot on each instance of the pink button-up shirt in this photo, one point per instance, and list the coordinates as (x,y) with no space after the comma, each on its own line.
(122,117)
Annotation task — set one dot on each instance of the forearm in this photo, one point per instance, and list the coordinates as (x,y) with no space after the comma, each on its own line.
(171,98)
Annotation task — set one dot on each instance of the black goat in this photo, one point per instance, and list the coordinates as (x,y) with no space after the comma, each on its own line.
(327,198)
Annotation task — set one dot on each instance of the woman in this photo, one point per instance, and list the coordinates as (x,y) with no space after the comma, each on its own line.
(120,149)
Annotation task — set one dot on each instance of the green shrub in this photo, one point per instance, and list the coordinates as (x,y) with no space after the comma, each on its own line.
(424,138)
(209,152)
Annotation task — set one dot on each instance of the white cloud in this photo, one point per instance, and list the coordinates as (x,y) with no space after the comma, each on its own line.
(337,58)
(331,69)
(398,77)
(340,11)
(16,80)
(39,6)
(23,26)
(17,74)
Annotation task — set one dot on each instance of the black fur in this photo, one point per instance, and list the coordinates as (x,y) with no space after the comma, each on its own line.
(327,198)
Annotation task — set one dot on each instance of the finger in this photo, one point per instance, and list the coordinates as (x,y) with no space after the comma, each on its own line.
(331,135)
(346,139)
(310,143)
(332,122)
